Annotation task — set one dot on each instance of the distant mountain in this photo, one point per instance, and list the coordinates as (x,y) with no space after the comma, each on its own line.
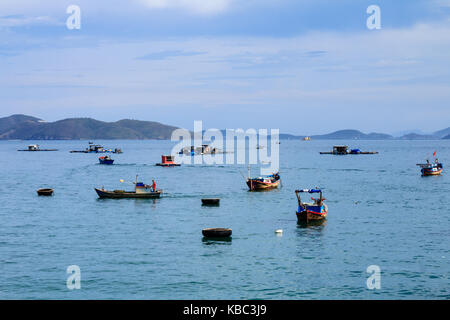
(442,133)
(352,135)
(30,128)
(9,124)
(23,127)
(399,134)
(415,136)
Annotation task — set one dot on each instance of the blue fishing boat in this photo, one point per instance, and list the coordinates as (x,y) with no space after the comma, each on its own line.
(316,210)
(105,160)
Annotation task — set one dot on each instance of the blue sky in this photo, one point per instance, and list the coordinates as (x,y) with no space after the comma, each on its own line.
(303,66)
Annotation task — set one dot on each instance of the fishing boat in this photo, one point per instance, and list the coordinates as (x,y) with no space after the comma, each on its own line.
(307,139)
(431,169)
(96,148)
(343,150)
(105,160)
(168,161)
(316,210)
(264,183)
(141,191)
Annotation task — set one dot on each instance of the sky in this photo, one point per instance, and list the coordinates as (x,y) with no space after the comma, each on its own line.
(302,66)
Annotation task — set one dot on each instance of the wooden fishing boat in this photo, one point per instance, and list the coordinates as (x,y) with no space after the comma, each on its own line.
(168,161)
(210,202)
(105,160)
(45,192)
(431,169)
(264,183)
(141,191)
(217,232)
(311,211)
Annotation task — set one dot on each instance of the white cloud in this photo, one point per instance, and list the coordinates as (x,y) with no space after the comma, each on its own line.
(197,6)
(16,21)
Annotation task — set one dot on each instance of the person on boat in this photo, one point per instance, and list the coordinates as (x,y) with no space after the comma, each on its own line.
(154,185)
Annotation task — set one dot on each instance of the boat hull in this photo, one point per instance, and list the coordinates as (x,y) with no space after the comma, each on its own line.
(255,185)
(104,194)
(308,215)
(428,172)
(106,161)
(217,232)
(210,202)
(45,192)
(167,164)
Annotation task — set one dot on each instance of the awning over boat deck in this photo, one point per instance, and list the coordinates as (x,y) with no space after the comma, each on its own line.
(309,190)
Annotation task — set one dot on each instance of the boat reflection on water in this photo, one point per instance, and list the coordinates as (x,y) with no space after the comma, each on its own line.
(314,224)
(217,241)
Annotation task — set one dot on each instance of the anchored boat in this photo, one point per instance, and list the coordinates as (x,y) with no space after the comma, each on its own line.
(141,191)
(316,210)
(35,147)
(264,183)
(343,150)
(168,161)
(431,169)
(96,148)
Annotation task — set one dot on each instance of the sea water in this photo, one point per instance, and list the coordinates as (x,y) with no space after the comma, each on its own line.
(381,213)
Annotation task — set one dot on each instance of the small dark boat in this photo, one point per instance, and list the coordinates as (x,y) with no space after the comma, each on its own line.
(105,160)
(264,183)
(45,192)
(311,211)
(168,161)
(210,202)
(216,232)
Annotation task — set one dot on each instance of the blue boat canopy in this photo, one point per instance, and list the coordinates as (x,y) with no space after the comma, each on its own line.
(309,190)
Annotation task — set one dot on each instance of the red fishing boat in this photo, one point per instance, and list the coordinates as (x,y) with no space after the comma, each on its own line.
(168,161)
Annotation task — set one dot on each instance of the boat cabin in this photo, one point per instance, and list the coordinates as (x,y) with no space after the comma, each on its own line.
(340,149)
(95,148)
(143,188)
(167,159)
(33,147)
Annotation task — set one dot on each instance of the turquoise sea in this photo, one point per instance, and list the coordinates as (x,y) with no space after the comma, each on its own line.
(381,212)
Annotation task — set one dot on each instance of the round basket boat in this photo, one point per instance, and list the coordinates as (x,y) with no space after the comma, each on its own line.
(216,232)
(45,192)
(210,202)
